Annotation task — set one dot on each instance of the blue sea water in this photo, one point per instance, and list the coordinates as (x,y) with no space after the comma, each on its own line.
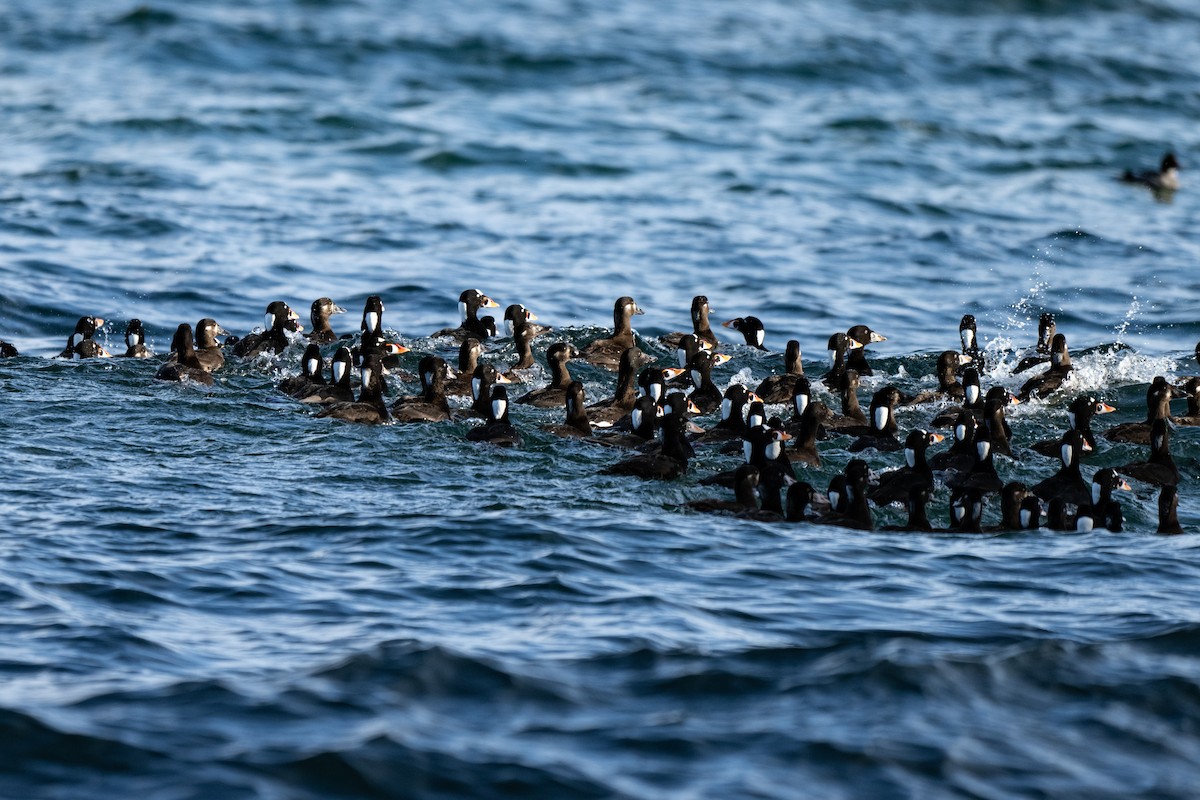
(209,593)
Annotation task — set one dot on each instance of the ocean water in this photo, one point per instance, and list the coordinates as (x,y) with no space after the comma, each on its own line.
(209,593)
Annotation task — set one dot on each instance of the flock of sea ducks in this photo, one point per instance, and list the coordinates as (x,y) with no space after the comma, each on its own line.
(650,413)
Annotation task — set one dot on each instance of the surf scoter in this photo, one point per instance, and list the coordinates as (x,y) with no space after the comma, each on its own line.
(1166,179)
(185,366)
(370,408)
(80,343)
(554,394)
(338,390)
(135,340)
(856,359)
(431,404)
(469,303)
(279,321)
(778,388)
(322,309)
(607,352)
(751,329)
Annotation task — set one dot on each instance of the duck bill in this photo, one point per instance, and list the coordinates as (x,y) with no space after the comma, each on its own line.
(489,303)
(1104,408)
(337,310)
(728,323)
(692,408)
(393,349)
(721,358)
(672,372)
(853,344)
(875,337)
(964,359)
(502,378)
(934,438)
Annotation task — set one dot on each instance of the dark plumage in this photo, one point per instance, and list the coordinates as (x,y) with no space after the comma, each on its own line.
(805,448)
(311,376)
(370,408)
(751,329)
(852,415)
(1159,468)
(273,340)
(469,303)
(706,395)
(1191,390)
(881,433)
(961,455)
(1168,510)
(322,309)
(948,387)
(972,400)
(700,325)
(916,503)
(614,408)
(338,390)
(185,366)
(1067,484)
(968,335)
(857,511)
(135,340)
(577,423)
(468,358)
(895,485)
(1047,329)
(607,352)
(966,510)
(1012,499)
(554,394)
(839,344)
(745,490)
(486,376)
(778,388)
(1053,378)
(498,430)
(7,350)
(1079,415)
(431,404)
(671,460)
(208,349)
(80,343)
(1158,406)
(517,316)
(856,359)
(1164,181)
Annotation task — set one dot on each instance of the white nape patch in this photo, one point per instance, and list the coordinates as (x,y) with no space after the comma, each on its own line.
(972,394)
(697,378)
(774,450)
(881,417)
(499,407)
(834,498)
(570,406)
(656,391)
(726,409)
(1067,457)
(681,356)
(958,510)
(1084,524)
(1096,489)
(1056,358)
(747,449)
(635,417)
(509,328)
(475,387)
(800,402)
(462,311)
(759,336)
(833,359)
(371,318)
(427,377)
(960,433)
(754,420)
(71,341)
(968,338)
(269,320)
(910,457)
(982,448)
(1156,443)
(1026,517)
(1071,418)
(313,365)
(365,376)
(339,369)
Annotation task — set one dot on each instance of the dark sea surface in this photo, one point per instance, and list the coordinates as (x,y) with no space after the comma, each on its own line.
(210,593)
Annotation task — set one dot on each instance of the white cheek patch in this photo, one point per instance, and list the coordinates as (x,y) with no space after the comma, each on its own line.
(747,449)
(726,409)
(881,417)
(371,319)
(800,402)
(462,311)
(697,378)
(1067,455)
(339,369)
(269,320)
(499,407)
(313,366)
(910,457)
(972,393)
(475,387)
